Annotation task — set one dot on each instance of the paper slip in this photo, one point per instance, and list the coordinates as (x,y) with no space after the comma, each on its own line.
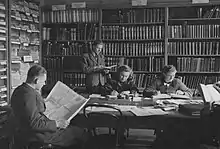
(147,111)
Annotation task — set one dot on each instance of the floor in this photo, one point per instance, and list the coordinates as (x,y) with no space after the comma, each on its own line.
(137,139)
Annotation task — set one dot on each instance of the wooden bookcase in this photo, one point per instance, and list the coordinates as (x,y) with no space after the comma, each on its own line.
(4,83)
(66,35)
(145,38)
(193,43)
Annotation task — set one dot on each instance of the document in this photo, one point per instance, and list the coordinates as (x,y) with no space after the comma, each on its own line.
(110,67)
(63,103)
(147,111)
(209,93)
(169,96)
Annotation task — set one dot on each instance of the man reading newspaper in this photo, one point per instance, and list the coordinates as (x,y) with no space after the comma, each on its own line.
(37,126)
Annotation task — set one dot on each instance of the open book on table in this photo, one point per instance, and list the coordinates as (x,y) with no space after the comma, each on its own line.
(63,103)
(210,93)
(170,96)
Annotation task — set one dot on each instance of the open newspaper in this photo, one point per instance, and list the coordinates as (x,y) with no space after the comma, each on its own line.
(63,103)
(210,93)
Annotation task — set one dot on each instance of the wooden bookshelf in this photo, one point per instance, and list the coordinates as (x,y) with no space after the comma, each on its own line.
(145,38)
(193,43)
(67,34)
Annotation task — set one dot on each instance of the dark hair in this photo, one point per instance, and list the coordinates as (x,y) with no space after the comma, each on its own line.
(168,68)
(97,42)
(125,68)
(35,71)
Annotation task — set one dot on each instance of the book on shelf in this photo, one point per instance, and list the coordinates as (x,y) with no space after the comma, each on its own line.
(63,103)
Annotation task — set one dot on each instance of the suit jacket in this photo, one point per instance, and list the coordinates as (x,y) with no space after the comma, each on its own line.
(93,76)
(158,85)
(28,107)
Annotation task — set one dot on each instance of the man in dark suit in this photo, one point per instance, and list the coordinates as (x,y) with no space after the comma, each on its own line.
(28,107)
(93,64)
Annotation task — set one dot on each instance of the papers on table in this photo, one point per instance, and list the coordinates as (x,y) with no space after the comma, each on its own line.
(147,111)
(138,111)
(169,96)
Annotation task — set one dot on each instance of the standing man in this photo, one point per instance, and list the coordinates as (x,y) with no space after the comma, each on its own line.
(28,107)
(93,64)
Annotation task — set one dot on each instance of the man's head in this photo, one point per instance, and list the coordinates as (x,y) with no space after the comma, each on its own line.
(98,46)
(37,76)
(169,72)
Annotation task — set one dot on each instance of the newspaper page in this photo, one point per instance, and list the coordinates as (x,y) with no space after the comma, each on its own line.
(63,103)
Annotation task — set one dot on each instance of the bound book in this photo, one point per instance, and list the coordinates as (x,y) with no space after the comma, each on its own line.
(63,103)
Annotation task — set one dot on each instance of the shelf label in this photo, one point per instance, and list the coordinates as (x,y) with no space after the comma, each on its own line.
(79,5)
(27,58)
(139,2)
(200,1)
(58,7)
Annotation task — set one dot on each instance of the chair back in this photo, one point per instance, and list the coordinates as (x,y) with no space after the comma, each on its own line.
(102,118)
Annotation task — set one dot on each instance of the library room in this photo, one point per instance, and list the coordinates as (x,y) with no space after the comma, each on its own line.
(102,74)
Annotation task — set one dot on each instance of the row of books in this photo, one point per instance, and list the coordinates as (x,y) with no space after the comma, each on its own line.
(133,49)
(194,48)
(71,16)
(188,64)
(134,15)
(74,79)
(84,32)
(54,76)
(61,63)
(193,81)
(212,13)
(69,48)
(133,32)
(143,80)
(150,64)
(53,62)
(194,31)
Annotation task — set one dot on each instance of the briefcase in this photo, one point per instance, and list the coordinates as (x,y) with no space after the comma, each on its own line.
(191,109)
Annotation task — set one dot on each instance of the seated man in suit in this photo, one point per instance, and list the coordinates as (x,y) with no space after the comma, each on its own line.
(28,107)
(167,83)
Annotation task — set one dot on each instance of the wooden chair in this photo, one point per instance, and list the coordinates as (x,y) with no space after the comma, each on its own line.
(111,120)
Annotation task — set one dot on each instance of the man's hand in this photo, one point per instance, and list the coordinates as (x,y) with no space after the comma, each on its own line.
(106,71)
(125,92)
(179,92)
(99,68)
(62,123)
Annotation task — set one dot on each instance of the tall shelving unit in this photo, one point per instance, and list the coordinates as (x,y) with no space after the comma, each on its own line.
(145,38)
(135,37)
(67,33)
(193,43)
(4,82)
(24,39)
